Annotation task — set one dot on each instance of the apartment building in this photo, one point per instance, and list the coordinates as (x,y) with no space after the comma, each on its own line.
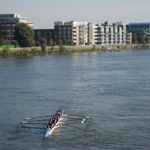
(92,34)
(64,31)
(84,33)
(73,32)
(128,38)
(80,33)
(8,23)
(111,33)
(48,34)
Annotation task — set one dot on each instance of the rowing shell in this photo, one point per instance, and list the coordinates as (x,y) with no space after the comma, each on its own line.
(49,131)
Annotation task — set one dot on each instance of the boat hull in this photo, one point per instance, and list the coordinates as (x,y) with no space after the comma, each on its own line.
(48,131)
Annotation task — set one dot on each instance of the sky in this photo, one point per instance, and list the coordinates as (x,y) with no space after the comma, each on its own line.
(43,13)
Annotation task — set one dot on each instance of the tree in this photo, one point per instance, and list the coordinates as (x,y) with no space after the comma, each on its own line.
(37,43)
(71,42)
(141,40)
(65,42)
(134,39)
(7,51)
(60,42)
(43,44)
(24,35)
(147,39)
(51,42)
(15,44)
(3,41)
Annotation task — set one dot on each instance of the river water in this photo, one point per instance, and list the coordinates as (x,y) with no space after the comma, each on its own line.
(112,88)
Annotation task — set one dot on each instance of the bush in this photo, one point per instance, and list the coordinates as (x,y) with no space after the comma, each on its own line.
(6,51)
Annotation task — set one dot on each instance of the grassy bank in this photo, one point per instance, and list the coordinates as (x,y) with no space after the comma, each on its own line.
(7,51)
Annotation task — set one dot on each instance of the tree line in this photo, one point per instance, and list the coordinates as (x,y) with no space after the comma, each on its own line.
(136,39)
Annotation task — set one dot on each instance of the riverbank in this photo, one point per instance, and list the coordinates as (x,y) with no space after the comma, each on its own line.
(33,51)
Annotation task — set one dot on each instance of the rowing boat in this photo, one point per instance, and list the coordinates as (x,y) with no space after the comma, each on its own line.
(48,131)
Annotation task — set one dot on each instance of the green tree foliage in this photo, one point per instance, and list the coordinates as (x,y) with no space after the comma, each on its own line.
(146,39)
(141,40)
(6,51)
(71,42)
(134,39)
(3,41)
(65,42)
(37,43)
(51,42)
(24,35)
(15,44)
(43,44)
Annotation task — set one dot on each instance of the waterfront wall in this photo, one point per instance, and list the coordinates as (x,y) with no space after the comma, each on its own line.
(32,51)
(86,48)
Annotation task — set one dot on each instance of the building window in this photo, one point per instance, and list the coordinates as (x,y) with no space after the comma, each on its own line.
(3,32)
(69,36)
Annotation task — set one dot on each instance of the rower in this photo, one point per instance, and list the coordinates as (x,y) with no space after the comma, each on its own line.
(59,110)
(54,119)
(49,125)
(59,114)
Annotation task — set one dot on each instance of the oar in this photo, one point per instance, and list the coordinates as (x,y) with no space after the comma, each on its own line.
(84,120)
(29,118)
(38,120)
(26,122)
(32,127)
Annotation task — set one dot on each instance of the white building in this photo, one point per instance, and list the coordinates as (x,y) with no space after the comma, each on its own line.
(92,33)
(85,33)
(112,33)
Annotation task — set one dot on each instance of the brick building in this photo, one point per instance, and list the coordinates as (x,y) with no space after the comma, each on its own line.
(8,23)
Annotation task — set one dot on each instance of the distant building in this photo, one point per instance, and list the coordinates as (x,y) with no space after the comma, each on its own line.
(80,33)
(112,33)
(73,32)
(48,34)
(92,34)
(68,31)
(128,38)
(139,29)
(63,31)
(8,23)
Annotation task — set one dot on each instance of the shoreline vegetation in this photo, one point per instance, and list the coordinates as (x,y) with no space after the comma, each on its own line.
(7,52)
